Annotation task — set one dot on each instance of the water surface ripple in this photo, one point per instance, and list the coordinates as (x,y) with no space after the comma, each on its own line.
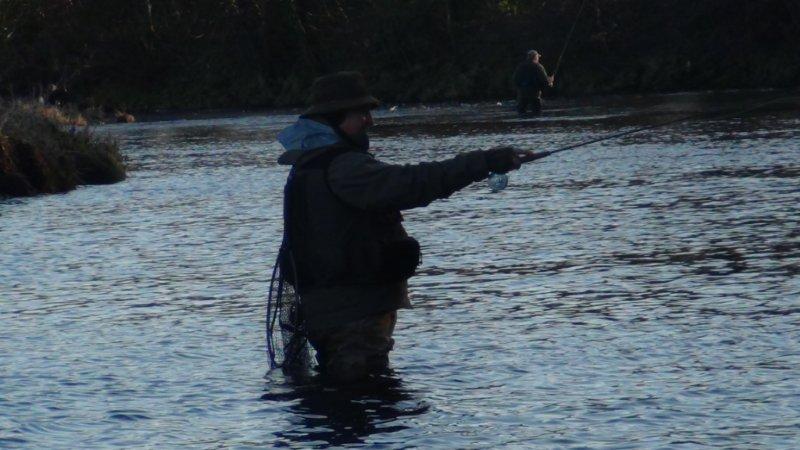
(639,293)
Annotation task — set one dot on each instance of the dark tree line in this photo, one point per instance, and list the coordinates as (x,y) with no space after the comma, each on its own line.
(144,54)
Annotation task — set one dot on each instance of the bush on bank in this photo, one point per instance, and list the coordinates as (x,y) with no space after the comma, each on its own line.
(39,154)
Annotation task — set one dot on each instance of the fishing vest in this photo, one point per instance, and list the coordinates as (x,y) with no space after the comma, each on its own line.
(346,263)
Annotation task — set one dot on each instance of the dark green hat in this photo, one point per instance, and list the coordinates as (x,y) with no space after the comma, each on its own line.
(339,91)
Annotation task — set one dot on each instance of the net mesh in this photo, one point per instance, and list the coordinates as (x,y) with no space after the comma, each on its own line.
(287,345)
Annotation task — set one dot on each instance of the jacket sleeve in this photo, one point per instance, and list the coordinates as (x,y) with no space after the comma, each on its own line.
(541,76)
(361,181)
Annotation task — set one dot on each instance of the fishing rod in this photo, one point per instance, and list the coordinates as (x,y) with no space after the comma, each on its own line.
(569,38)
(539,155)
(499,181)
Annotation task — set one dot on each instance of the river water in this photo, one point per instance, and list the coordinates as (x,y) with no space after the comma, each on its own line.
(638,293)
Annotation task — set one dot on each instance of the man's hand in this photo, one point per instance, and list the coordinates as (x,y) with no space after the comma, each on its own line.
(550,80)
(504,159)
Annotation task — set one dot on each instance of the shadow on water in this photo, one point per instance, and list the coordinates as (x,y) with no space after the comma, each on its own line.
(323,415)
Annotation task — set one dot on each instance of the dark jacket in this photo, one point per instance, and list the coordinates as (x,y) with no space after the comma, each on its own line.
(530,75)
(345,225)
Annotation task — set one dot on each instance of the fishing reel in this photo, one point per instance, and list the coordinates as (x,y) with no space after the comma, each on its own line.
(498,182)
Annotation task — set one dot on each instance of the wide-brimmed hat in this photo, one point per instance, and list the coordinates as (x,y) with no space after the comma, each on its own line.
(339,91)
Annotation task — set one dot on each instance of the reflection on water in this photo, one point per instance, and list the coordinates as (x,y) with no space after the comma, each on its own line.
(636,293)
(335,415)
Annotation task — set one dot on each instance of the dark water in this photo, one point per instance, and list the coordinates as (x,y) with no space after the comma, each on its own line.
(639,293)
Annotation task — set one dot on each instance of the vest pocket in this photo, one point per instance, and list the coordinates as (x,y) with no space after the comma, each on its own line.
(399,259)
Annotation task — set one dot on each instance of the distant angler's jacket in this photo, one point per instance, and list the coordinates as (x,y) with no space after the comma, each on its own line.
(351,253)
(530,75)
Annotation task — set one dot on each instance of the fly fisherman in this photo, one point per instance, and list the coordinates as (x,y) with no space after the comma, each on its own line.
(530,79)
(349,257)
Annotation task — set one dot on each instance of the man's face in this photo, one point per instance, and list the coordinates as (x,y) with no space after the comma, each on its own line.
(355,123)
(535,57)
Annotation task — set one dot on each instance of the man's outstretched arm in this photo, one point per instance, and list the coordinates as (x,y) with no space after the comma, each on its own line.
(362,181)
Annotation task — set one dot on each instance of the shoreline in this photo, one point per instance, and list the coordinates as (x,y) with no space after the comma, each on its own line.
(561,101)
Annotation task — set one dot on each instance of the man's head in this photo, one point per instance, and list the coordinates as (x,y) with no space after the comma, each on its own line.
(534,56)
(342,100)
(355,122)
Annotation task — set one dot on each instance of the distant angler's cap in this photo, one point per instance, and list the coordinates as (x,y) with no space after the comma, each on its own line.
(532,53)
(339,91)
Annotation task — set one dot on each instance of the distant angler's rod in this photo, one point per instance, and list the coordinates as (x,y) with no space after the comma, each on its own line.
(569,38)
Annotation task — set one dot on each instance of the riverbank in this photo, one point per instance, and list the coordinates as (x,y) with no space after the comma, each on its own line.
(686,102)
(43,151)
